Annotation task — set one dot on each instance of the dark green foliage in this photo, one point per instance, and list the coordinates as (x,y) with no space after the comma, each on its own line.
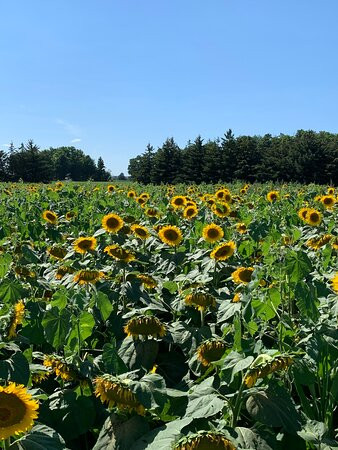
(306,157)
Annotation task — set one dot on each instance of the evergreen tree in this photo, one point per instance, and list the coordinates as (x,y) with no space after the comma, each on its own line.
(193,161)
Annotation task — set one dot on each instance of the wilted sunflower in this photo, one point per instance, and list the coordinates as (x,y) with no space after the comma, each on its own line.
(210,351)
(221,210)
(317,242)
(272,196)
(50,217)
(190,212)
(200,300)
(242,275)
(147,281)
(60,368)
(88,276)
(112,223)
(328,201)
(223,251)
(85,244)
(40,375)
(206,440)
(119,253)
(62,271)
(267,367)
(18,410)
(111,188)
(170,235)
(313,217)
(212,233)
(334,282)
(57,252)
(116,392)
(17,319)
(241,228)
(24,272)
(302,213)
(145,326)
(140,231)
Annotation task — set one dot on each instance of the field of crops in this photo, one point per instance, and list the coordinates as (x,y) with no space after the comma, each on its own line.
(172,317)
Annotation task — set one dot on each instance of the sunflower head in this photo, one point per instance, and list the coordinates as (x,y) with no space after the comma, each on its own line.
(212,233)
(317,242)
(151,212)
(223,251)
(221,209)
(85,244)
(50,217)
(205,440)
(145,326)
(330,190)
(119,253)
(241,228)
(242,275)
(61,369)
(88,276)
(62,271)
(328,201)
(131,194)
(17,319)
(272,196)
(190,211)
(112,223)
(224,195)
(302,213)
(334,282)
(57,252)
(200,300)
(236,298)
(170,235)
(178,201)
(18,410)
(115,392)
(70,215)
(210,351)
(313,217)
(111,188)
(147,281)
(265,367)
(140,231)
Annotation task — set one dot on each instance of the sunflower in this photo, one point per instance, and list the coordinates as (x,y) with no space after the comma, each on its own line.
(141,201)
(272,196)
(116,392)
(111,188)
(24,272)
(212,233)
(241,228)
(328,201)
(62,271)
(170,235)
(70,215)
(200,300)
(223,251)
(119,253)
(112,223)
(236,298)
(268,366)
(190,211)
(313,217)
(131,194)
(178,201)
(210,351)
(50,217)
(209,440)
(223,194)
(334,282)
(145,326)
(17,319)
(85,244)
(17,410)
(147,281)
(57,252)
(39,376)
(317,242)
(242,275)
(221,210)
(334,243)
(60,368)
(151,212)
(331,190)
(302,213)
(88,276)
(140,231)
(145,196)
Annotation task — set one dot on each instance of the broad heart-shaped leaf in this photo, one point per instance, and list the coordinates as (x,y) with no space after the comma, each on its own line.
(57,324)
(306,300)
(298,265)
(113,364)
(274,407)
(5,262)
(11,291)
(40,437)
(248,439)
(234,363)
(116,434)
(162,438)
(15,368)
(226,310)
(103,304)
(150,391)
(136,354)
(266,309)
(204,406)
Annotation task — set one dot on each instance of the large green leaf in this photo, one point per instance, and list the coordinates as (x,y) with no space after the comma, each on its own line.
(11,291)
(248,439)
(306,300)
(298,265)
(5,262)
(40,437)
(57,324)
(204,406)
(113,364)
(104,305)
(15,368)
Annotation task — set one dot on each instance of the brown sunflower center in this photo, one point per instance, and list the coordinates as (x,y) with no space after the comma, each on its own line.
(213,233)
(85,244)
(12,410)
(50,216)
(179,201)
(314,217)
(171,235)
(141,232)
(112,222)
(245,275)
(223,251)
(328,201)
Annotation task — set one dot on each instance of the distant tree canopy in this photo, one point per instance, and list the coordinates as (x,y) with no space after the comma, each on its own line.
(29,163)
(306,157)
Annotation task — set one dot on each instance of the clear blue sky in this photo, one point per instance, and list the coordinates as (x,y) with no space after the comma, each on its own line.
(109,76)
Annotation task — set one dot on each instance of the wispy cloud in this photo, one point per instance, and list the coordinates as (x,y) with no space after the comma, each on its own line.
(70,128)
(73,141)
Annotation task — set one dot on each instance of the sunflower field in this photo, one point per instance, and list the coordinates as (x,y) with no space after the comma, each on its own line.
(168,317)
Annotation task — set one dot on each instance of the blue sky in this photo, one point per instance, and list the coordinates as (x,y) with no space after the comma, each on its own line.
(109,76)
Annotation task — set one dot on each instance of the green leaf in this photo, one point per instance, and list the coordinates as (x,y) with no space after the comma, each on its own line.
(87,323)
(113,364)
(306,300)
(171,286)
(298,265)
(11,291)
(250,440)
(5,262)
(40,437)
(266,309)
(236,362)
(204,406)
(104,305)
(57,325)
(15,368)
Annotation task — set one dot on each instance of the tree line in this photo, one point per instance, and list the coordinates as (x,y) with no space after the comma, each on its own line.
(30,164)
(306,157)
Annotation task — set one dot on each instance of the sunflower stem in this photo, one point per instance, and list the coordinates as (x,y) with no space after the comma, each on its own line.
(7,443)
(202,317)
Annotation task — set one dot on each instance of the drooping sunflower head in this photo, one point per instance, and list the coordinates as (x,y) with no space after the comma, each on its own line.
(17,318)
(334,243)
(241,228)
(205,440)
(119,253)
(317,242)
(61,369)
(200,300)
(265,367)
(212,233)
(302,213)
(223,251)
(62,271)
(221,209)
(112,223)
(140,231)
(148,281)
(313,217)
(57,252)
(272,196)
(50,217)
(145,326)
(151,212)
(328,201)
(334,282)
(88,276)
(178,201)
(18,410)
(116,393)
(210,351)
(85,244)
(170,235)
(242,275)
(190,211)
